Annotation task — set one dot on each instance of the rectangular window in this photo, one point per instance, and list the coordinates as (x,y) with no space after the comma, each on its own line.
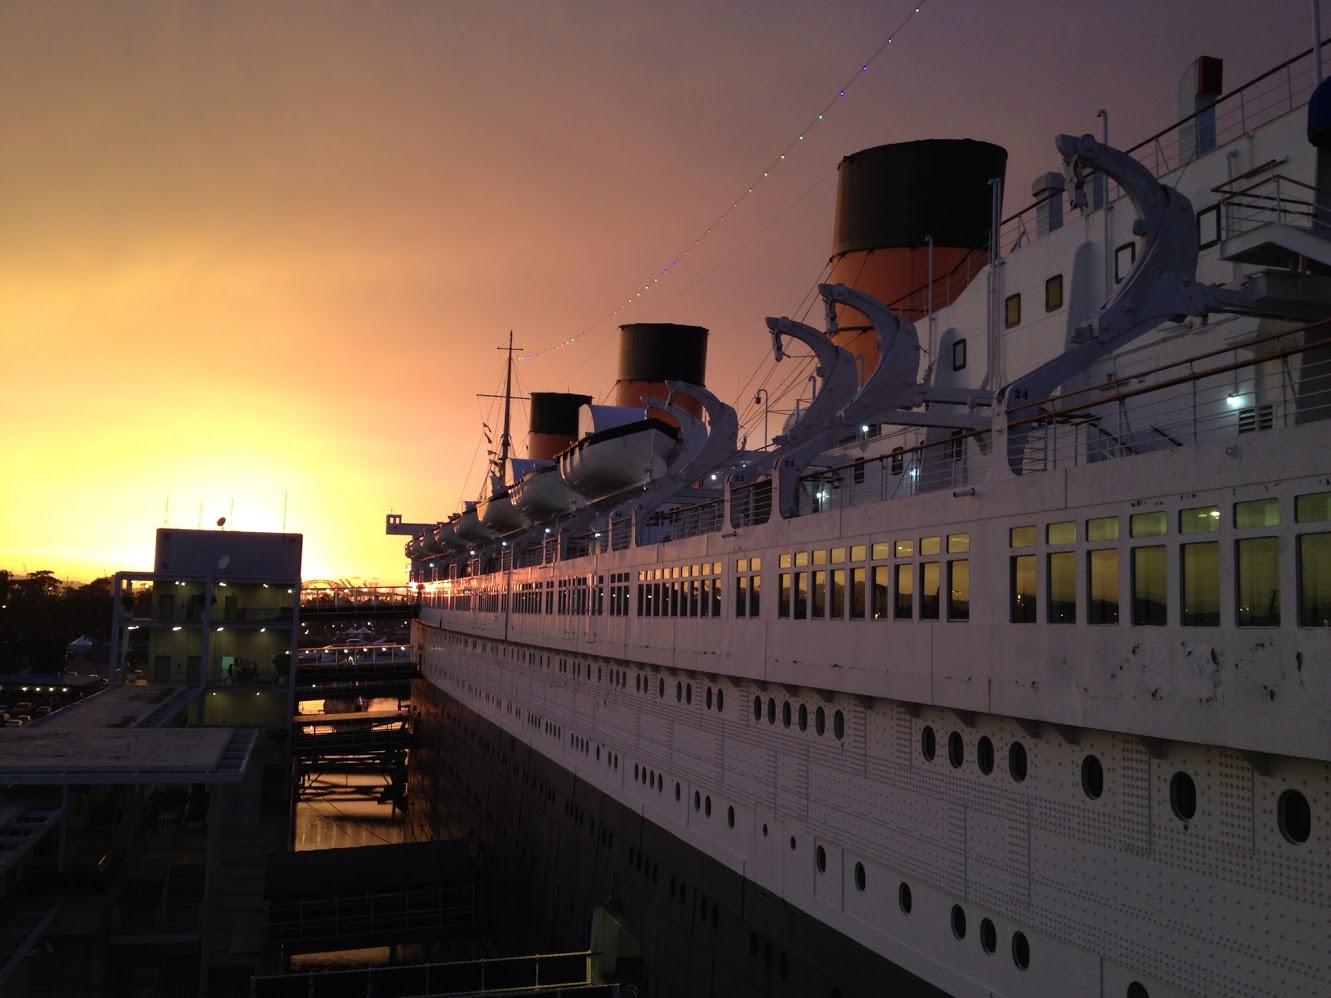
(716,589)
(880,590)
(838,556)
(929,577)
(1124,257)
(1103,586)
(1061,533)
(783,595)
(1022,537)
(1149,585)
(1053,293)
(898,460)
(930,545)
(881,550)
(858,603)
(1200,568)
(1102,528)
(820,557)
(1257,575)
(1061,570)
(904,549)
(1023,589)
(858,552)
(1313,508)
(755,594)
(1257,513)
(819,594)
(1199,520)
(742,596)
(785,560)
(857,471)
(1148,525)
(801,558)
(1315,580)
(1208,226)
(905,602)
(801,595)
(742,565)
(958,543)
(959,354)
(837,608)
(1012,311)
(959,589)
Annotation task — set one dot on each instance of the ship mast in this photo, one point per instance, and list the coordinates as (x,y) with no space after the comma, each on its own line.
(505,441)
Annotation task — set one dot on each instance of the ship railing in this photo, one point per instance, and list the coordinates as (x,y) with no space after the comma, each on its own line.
(1258,102)
(687,521)
(1276,381)
(1275,200)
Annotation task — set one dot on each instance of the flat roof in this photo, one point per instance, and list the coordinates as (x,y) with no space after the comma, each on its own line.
(112,738)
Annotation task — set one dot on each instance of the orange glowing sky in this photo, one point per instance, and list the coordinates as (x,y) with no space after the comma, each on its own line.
(257,256)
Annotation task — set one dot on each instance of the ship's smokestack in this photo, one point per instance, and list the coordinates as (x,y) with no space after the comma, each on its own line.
(893,201)
(651,353)
(554,423)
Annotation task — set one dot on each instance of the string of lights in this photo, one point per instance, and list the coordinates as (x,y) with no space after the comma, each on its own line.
(678,259)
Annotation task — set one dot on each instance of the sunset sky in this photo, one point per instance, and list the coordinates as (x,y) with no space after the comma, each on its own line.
(260,256)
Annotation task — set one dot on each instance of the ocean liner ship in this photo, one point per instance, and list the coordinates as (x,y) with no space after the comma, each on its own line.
(1004,668)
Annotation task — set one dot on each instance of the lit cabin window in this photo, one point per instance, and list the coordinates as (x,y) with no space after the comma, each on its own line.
(1012,311)
(1023,589)
(1257,513)
(1061,580)
(1053,293)
(1315,580)
(905,601)
(1149,585)
(1257,573)
(1149,524)
(1199,566)
(898,460)
(1199,520)
(1313,508)
(1102,569)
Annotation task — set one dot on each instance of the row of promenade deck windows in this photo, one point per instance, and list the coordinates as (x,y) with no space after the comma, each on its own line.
(1227,567)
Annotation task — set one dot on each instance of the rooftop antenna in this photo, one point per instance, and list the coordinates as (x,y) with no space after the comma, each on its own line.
(200,525)
(284,512)
(166,514)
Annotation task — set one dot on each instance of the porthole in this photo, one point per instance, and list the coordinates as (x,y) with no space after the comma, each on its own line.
(958,922)
(956,750)
(1021,950)
(771,710)
(697,801)
(1183,796)
(757,708)
(928,743)
(679,692)
(720,700)
(804,718)
(707,805)
(677,794)
(660,783)
(635,770)
(839,725)
(637,684)
(1092,777)
(820,721)
(709,698)
(785,714)
(903,897)
(988,936)
(660,689)
(792,843)
(859,876)
(1138,990)
(1295,817)
(821,855)
(984,755)
(730,817)
(764,829)
(1016,761)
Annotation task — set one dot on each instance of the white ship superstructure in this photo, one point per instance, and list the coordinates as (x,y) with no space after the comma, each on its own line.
(1010,660)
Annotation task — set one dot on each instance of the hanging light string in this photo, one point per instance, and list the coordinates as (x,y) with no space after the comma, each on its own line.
(780,158)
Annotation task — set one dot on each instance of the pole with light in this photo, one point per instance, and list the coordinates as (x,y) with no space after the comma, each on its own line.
(761,396)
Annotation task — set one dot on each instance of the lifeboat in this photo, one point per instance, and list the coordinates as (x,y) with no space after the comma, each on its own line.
(623,451)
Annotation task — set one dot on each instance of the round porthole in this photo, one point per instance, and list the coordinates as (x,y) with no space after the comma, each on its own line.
(984,755)
(709,698)
(956,750)
(697,801)
(903,897)
(1183,796)
(859,876)
(1138,990)
(820,721)
(1021,950)
(1295,817)
(928,743)
(785,714)
(730,817)
(660,689)
(1092,777)
(804,718)
(839,725)
(821,855)
(707,805)
(958,921)
(688,693)
(720,700)
(1016,761)
(757,708)
(771,710)
(679,692)
(988,936)
(676,791)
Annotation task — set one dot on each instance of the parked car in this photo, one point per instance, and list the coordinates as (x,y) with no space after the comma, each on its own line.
(41,711)
(14,722)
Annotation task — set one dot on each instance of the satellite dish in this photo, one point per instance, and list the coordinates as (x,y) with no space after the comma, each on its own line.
(221,521)
(223,561)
